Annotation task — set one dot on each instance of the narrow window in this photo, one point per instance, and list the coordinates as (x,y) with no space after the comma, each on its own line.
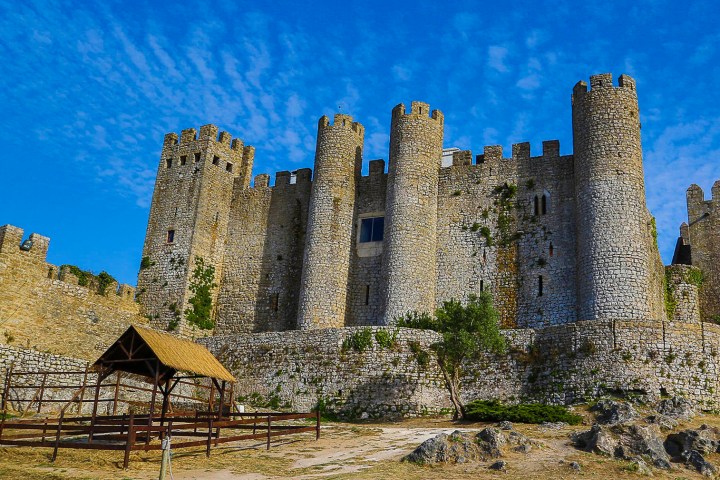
(372,229)
(197,157)
(217,215)
(544,204)
(484,255)
(228,167)
(176,210)
(536,206)
(540,286)
(482,286)
(183,159)
(170,236)
(274,302)
(216,160)
(551,250)
(168,162)
(367,294)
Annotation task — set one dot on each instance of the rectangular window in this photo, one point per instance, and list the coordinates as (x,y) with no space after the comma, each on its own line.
(168,162)
(170,236)
(183,159)
(367,294)
(275,302)
(228,167)
(372,229)
(216,160)
(197,157)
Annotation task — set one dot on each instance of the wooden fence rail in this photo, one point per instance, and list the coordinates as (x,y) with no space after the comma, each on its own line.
(133,432)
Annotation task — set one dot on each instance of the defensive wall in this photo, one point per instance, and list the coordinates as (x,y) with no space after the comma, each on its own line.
(45,308)
(560,365)
(555,238)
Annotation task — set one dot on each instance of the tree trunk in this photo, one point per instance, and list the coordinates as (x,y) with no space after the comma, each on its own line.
(453,384)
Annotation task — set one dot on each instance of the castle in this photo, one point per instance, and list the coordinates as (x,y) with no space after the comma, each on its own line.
(564,243)
(555,238)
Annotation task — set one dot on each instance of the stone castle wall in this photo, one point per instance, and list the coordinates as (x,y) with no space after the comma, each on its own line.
(562,364)
(703,236)
(189,218)
(48,311)
(263,255)
(555,238)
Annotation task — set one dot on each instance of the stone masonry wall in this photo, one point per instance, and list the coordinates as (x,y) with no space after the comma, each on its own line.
(561,364)
(704,239)
(263,255)
(682,284)
(42,311)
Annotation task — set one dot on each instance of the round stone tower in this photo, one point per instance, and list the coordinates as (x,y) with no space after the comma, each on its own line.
(326,264)
(409,257)
(613,269)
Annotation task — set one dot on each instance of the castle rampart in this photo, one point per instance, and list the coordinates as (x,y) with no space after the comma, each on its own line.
(42,306)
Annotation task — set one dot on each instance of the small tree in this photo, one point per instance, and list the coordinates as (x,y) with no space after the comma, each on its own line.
(199,313)
(467,331)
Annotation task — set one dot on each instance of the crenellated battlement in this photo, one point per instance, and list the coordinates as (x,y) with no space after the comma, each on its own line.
(520,152)
(208,132)
(418,109)
(342,121)
(602,82)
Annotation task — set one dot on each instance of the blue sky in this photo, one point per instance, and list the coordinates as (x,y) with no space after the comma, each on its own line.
(87,91)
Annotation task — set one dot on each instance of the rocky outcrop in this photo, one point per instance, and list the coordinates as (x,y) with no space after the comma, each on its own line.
(676,407)
(625,442)
(610,412)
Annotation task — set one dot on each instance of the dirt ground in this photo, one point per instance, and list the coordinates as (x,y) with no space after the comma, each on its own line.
(344,451)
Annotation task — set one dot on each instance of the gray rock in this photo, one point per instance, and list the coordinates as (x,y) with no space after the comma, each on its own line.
(676,407)
(597,440)
(553,425)
(705,440)
(499,465)
(663,421)
(575,466)
(697,461)
(490,440)
(610,412)
(523,448)
(641,467)
(505,425)
(457,447)
(636,440)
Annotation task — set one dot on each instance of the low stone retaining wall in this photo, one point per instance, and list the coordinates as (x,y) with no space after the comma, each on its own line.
(561,365)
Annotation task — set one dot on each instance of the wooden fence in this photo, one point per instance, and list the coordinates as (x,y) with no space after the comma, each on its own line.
(133,432)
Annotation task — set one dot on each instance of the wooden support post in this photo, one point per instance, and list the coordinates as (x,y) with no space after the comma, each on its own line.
(42,391)
(42,440)
(95,405)
(255,422)
(57,437)
(2,423)
(152,400)
(117,390)
(317,424)
(209,437)
(6,390)
(211,398)
(130,440)
(196,421)
(268,432)
(82,392)
(222,399)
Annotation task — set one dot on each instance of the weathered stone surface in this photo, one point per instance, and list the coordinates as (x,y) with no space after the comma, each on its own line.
(663,421)
(705,440)
(637,440)
(610,412)
(490,441)
(45,309)
(458,447)
(694,459)
(500,465)
(596,440)
(676,407)
(505,425)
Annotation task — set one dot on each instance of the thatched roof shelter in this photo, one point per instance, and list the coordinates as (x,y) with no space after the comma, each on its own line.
(138,349)
(160,357)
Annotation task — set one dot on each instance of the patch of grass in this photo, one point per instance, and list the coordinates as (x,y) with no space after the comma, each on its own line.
(358,341)
(487,410)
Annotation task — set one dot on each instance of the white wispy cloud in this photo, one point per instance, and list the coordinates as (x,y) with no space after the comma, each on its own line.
(496,58)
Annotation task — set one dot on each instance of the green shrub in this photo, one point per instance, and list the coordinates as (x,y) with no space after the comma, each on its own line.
(358,341)
(104,280)
(145,263)
(385,339)
(493,411)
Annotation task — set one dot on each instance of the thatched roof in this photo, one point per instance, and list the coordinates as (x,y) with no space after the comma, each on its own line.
(136,349)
